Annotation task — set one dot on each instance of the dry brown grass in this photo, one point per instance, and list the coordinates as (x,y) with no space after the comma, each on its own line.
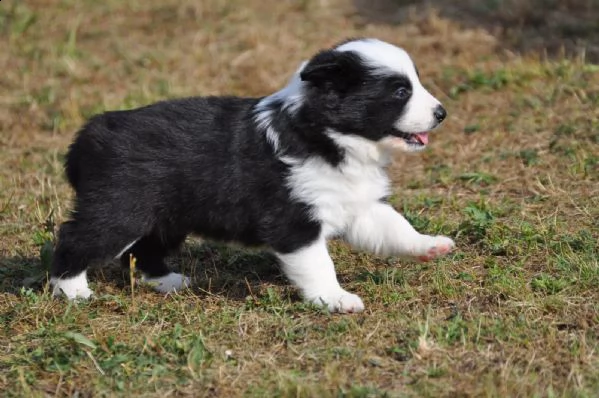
(513,175)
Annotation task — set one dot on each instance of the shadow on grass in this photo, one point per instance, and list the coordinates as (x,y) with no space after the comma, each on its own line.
(229,271)
(557,27)
(216,269)
(19,272)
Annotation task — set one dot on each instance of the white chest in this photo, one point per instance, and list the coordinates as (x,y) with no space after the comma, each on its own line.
(340,193)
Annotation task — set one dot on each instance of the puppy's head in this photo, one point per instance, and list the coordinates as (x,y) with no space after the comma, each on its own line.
(371,89)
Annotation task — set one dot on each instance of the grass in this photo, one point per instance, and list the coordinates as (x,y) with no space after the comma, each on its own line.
(513,176)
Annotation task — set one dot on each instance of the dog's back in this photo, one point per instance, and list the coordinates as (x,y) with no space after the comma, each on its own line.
(167,129)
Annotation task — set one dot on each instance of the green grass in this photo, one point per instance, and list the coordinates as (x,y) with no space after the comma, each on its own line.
(512,176)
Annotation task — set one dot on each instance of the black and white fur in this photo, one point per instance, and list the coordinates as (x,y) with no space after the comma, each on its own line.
(288,171)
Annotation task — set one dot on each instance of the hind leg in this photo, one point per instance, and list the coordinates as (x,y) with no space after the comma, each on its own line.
(81,243)
(150,252)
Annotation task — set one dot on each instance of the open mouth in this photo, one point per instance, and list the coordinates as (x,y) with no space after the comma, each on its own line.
(415,139)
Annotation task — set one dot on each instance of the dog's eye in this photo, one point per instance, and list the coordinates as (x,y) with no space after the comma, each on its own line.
(402,93)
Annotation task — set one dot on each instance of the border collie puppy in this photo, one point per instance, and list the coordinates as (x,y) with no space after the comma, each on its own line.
(288,171)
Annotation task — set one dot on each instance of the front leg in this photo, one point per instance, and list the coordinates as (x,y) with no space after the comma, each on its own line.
(312,270)
(383,231)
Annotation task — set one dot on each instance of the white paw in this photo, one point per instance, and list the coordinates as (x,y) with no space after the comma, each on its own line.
(435,246)
(73,288)
(340,301)
(169,283)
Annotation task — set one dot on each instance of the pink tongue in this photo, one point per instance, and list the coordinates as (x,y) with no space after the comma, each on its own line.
(422,137)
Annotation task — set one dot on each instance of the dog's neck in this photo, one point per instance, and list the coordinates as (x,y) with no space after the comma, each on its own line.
(293,134)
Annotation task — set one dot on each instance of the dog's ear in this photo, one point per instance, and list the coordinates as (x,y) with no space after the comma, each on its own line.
(337,68)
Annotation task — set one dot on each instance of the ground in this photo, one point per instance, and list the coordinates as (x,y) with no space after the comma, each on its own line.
(513,176)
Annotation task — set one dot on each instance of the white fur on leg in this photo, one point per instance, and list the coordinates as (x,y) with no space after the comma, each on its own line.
(383,231)
(72,288)
(168,283)
(312,270)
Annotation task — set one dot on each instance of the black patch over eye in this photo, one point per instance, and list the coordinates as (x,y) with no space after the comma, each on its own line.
(402,93)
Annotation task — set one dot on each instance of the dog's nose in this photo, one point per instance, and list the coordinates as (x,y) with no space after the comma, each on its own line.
(440,113)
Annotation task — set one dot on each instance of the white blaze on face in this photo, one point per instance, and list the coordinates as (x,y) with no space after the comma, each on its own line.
(418,115)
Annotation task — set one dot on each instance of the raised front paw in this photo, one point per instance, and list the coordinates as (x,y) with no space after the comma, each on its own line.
(339,301)
(435,246)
